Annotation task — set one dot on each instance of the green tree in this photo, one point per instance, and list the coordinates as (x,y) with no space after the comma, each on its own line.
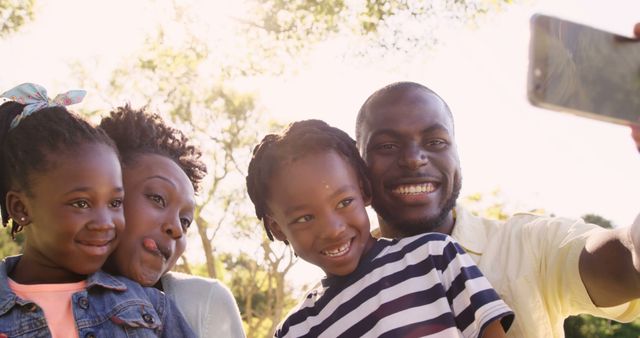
(400,25)
(14,14)
(9,246)
(198,79)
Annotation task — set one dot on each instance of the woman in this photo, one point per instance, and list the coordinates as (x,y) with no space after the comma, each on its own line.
(161,173)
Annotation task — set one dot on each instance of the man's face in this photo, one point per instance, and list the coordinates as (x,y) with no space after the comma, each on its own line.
(407,141)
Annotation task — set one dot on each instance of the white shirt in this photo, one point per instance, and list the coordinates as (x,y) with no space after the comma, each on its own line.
(532,262)
(206,304)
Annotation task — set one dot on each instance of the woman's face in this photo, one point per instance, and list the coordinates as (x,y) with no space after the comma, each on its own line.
(159,207)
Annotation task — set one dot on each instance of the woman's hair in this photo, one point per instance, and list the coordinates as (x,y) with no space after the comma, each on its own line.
(31,145)
(299,139)
(138,132)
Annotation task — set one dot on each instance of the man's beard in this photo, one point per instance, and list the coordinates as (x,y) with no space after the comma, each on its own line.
(411,227)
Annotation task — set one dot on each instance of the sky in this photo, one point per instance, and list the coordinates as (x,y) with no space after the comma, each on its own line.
(537,158)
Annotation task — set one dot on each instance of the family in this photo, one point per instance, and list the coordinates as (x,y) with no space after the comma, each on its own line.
(105,210)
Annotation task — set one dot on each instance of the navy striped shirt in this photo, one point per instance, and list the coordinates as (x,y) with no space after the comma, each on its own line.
(420,286)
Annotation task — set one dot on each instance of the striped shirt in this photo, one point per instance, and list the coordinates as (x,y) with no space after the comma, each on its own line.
(420,286)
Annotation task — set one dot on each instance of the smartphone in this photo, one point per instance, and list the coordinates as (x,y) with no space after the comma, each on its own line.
(582,70)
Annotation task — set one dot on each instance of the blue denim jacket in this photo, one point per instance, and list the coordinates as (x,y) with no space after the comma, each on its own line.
(110,306)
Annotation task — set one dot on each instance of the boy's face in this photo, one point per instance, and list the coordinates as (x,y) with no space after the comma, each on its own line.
(159,208)
(316,205)
(75,213)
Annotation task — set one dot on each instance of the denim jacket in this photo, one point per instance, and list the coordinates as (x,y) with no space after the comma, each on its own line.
(110,306)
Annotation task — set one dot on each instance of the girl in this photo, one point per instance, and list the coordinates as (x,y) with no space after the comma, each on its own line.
(310,188)
(161,172)
(61,182)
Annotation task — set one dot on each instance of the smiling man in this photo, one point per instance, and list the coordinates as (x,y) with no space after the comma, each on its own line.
(545,268)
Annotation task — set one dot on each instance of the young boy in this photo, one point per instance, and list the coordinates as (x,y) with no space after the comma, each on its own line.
(310,188)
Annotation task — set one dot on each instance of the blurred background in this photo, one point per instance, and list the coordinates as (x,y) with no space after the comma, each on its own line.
(229,72)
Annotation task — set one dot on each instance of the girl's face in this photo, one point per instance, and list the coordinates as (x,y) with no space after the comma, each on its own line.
(75,215)
(159,208)
(316,204)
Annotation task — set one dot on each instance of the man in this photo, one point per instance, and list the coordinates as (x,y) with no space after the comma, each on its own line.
(545,268)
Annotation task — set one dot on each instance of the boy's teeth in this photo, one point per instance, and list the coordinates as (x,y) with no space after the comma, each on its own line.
(339,251)
(414,188)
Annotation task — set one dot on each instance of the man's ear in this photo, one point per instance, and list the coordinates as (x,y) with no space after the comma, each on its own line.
(17,206)
(274,227)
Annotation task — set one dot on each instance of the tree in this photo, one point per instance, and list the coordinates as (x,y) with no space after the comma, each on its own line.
(387,25)
(198,79)
(260,287)
(189,83)
(14,14)
(8,246)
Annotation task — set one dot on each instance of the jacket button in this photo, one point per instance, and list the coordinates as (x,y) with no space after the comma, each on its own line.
(147,318)
(90,335)
(83,302)
(31,307)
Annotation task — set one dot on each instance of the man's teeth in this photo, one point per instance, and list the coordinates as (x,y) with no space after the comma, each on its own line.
(415,189)
(339,251)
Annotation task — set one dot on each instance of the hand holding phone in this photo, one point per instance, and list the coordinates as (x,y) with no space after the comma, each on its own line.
(583,70)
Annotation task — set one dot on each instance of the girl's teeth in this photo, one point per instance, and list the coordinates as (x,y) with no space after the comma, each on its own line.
(339,251)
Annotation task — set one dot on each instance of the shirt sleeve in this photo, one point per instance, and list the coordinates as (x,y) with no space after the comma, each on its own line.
(223,317)
(173,323)
(208,305)
(559,243)
(474,302)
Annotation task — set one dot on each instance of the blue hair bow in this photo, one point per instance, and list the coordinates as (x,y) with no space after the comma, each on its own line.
(34,97)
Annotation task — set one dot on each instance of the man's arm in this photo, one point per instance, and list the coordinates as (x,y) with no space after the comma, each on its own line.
(610,265)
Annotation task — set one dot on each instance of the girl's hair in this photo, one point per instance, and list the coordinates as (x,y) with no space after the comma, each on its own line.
(30,146)
(296,141)
(138,132)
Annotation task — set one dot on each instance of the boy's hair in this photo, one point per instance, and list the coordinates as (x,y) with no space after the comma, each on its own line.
(30,146)
(137,132)
(299,139)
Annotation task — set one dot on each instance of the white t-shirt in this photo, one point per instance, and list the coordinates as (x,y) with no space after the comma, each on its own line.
(420,286)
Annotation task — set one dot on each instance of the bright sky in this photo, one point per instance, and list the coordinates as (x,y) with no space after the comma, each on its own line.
(538,158)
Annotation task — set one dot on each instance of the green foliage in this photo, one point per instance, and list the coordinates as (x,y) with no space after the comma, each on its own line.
(261,293)
(8,246)
(14,14)
(399,25)
(585,326)
(599,220)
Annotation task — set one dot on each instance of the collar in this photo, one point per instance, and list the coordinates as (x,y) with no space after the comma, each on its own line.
(8,298)
(469,231)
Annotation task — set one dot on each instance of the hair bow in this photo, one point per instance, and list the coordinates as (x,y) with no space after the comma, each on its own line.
(34,97)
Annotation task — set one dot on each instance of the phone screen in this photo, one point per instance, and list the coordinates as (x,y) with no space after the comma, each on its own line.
(583,70)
